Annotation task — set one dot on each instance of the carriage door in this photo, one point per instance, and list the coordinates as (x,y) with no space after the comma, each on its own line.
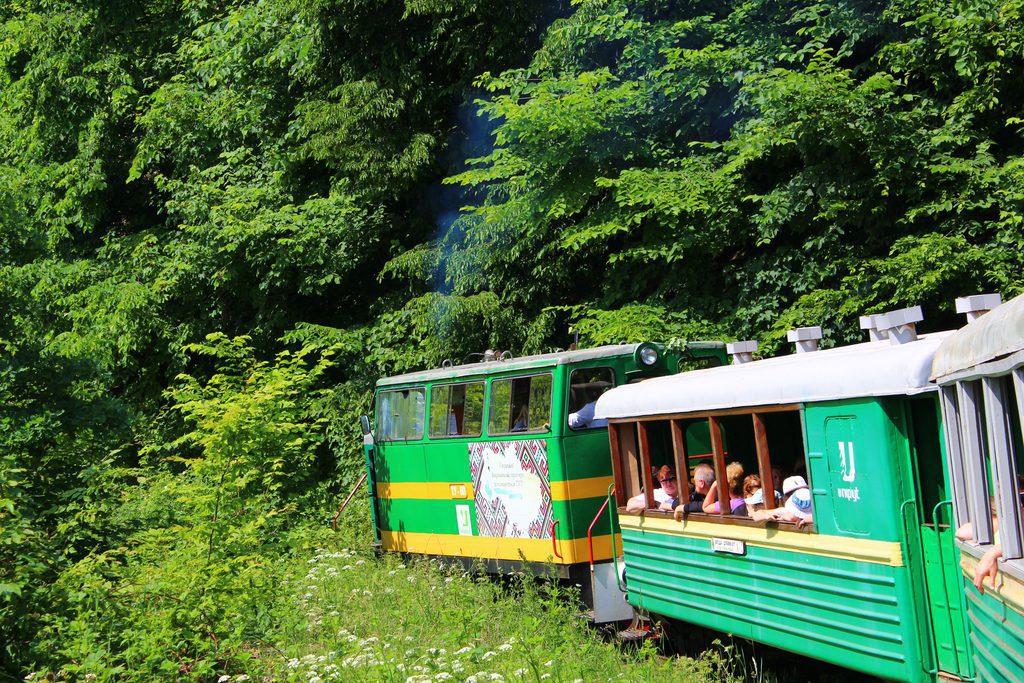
(940,558)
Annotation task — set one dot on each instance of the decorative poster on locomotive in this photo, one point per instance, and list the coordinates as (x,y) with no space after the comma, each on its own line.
(511,488)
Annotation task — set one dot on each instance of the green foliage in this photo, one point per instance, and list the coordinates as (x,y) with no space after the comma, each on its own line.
(194,580)
(221,222)
(757,159)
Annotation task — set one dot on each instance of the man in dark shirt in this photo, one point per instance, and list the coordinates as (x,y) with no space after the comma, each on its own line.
(703,480)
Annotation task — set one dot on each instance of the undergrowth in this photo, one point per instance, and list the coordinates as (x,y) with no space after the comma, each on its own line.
(340,613)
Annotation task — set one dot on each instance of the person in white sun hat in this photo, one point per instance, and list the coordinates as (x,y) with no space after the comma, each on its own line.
(797,506)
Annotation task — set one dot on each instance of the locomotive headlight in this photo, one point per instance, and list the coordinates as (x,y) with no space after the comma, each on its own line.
(647,355)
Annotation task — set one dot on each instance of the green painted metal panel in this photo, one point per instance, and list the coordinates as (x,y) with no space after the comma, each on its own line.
(399,462)
(997,637)
(852,469)
(942,576)
(439,516)
(846,612)
(422,516)
(931,526)
(586,454)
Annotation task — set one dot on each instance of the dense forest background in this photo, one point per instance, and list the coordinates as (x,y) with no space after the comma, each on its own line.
(222,220)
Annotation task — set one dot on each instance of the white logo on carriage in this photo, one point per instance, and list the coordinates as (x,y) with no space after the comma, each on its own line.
(464,520)
(849,467)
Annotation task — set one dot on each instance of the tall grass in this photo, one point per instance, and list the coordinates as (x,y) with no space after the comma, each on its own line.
(319,606)
(350,616)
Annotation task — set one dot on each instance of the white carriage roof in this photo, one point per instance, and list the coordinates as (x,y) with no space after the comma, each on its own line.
(503,366)
(859,370)
(991,336)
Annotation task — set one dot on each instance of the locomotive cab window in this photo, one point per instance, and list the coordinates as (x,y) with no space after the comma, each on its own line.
(586,386)
(456,410)
(401,414)
(520,405)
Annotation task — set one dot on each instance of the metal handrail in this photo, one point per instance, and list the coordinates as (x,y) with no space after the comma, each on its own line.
(345,504)
(554,543)
(615,553)
(942,569)
(934,669)
(590,529)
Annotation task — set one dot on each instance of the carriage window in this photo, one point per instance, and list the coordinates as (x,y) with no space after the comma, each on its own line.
(518,405)
(1002,422)
(400,414)
(585,386)
(755,461)
(457,409)
(987,415)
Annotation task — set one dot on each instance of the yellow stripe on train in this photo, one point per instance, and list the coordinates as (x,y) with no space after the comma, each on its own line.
(862,550)
(573,489)
(532,549)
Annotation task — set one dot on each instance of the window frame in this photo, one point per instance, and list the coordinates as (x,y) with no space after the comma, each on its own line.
(449,386)
(638,465)
(568,392)
(987,446)
(398,390)
(489,403)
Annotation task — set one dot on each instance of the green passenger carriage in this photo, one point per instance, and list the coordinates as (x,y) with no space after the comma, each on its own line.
(495,463)
(872,582)
(980,372)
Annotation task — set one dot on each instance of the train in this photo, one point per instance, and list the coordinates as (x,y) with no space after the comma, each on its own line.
(885,535)
(499,465)
(892,449)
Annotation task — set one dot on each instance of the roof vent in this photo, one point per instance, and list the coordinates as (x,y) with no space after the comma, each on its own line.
(900,326)
(977,305)
(870,323)
(806,338)
(741,351)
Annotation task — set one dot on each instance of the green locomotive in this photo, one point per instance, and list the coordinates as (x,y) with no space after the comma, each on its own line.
(500,463)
